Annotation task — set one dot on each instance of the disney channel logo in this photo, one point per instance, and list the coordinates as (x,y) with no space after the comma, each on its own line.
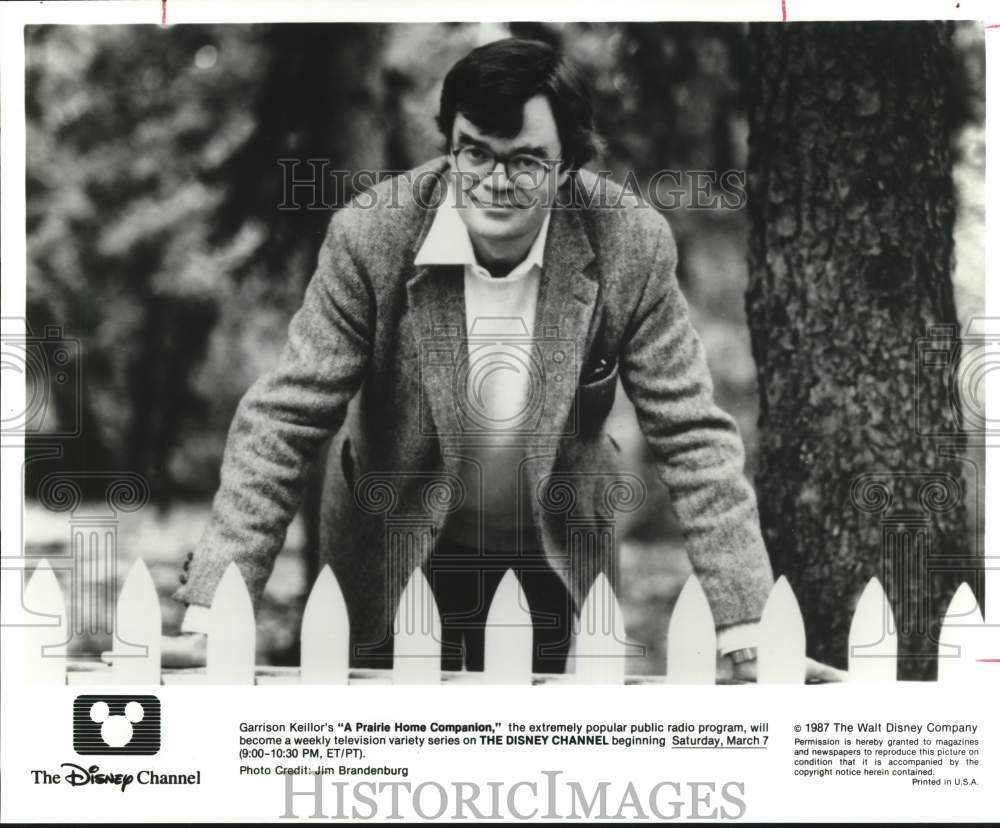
(79,776)
(116,725)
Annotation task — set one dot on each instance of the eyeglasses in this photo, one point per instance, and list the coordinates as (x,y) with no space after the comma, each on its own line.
(524,171)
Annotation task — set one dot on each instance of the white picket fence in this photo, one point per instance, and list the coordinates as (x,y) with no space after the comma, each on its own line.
(599,645)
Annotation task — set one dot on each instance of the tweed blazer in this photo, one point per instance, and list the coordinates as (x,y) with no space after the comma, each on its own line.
(374,360)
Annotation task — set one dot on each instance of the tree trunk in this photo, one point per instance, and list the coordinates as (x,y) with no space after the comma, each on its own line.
(852,210)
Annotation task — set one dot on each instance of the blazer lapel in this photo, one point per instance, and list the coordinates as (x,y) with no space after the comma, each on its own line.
(436,297)
(437,301)
(567,297)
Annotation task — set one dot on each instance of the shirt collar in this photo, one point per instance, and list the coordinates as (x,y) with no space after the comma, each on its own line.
(448,243)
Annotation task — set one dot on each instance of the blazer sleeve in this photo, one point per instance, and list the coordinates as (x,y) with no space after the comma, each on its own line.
(282,421)
(696,446)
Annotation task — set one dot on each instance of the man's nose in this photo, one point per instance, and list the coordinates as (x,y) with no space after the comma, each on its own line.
(497,178)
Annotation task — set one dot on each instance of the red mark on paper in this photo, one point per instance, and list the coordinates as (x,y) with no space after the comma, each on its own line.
(163,12)
(992,26)
(784,12)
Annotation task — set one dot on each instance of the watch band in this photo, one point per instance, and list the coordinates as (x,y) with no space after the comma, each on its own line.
(743,654)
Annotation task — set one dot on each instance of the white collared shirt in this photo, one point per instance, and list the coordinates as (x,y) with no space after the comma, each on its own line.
(448,243)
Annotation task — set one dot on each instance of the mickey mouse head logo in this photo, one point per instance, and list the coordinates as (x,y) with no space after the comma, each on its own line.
(116,731)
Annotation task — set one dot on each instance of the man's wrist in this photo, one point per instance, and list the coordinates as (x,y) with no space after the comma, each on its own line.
(196,619)
(742,655)
(738,637)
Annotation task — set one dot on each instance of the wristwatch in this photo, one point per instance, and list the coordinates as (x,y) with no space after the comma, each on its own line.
(743,654)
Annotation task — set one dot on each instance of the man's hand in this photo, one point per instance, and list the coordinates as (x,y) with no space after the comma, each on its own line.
(178,651)
(747,670)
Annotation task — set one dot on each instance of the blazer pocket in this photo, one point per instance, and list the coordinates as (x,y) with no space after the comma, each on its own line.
(348,463)
(595,399)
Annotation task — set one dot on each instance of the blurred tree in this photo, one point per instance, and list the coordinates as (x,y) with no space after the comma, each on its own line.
(852,209)
(121,122)
(156,166)
(155,236)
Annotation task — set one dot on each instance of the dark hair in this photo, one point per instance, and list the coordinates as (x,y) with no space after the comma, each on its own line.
(491,84)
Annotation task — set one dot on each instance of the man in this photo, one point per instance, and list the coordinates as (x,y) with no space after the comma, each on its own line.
(485,307)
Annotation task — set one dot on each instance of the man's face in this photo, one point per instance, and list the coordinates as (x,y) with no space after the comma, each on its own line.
(496,208)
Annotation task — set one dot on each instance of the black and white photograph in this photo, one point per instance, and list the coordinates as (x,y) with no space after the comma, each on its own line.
(544,354)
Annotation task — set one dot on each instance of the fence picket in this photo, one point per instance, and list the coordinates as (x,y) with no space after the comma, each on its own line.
(137,624)
(871,641)
(781,645)
(600,646)
(600,639)
(507,658)
(325,633)
(232,635)
(691,638)
(45,644)
(417,642)
(961,637)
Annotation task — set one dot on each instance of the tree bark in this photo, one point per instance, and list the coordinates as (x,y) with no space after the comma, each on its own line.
(852,209)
